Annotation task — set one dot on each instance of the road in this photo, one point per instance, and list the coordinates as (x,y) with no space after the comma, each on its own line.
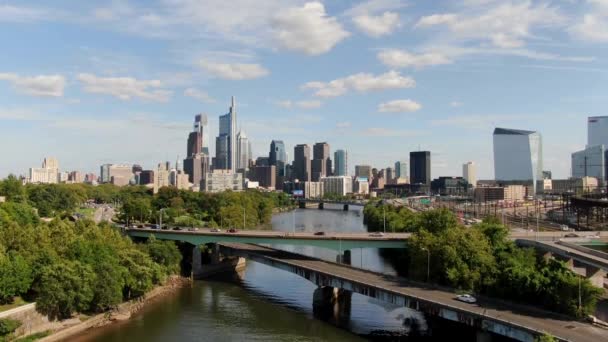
(523,316)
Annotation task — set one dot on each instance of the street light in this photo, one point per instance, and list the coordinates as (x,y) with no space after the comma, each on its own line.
(161,218)
(428,264)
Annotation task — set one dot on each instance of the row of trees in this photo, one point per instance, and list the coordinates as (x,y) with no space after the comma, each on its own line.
(138,203)
(69,267)
(482,259)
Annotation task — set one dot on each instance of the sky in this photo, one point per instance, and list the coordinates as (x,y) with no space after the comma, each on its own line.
(92,82)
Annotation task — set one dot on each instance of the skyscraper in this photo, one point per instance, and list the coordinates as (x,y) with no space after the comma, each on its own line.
(400,169)
(320,161)
(278,158)
(243,151)
(301,163)
(225,143)
(518,155)
(196,163)
(597,131)
(364,171)
(197,137)
(341,163)
(469,173)
(420,167)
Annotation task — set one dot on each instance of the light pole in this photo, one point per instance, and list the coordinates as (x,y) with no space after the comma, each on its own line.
(384,217)
(428,264)
(579,293)
(161,218)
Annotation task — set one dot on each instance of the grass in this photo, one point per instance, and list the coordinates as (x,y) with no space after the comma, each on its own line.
(34,337)
(18,301)
(86,212)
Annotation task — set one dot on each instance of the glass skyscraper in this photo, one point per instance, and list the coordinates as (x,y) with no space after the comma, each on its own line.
(340,163)
(518,155)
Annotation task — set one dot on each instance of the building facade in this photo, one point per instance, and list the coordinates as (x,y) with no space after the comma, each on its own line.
(301,163)
(340,163)
(222,180)
(590,162)
(517,155)
(337,185)
(243,152)
(321,164)
(401,169)
(597,131)
(469,173)
(363,171)
(420,167)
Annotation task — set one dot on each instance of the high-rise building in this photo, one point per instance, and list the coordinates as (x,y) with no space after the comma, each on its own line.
(337,185)
(420,167)
(225,143)
(518,155)
(221,161)
(597,131)
(50,163)
(222,180)
(340,163)
(301,163)
(200,126)
(105,173)
(47,174)
(265,176)
(590,162)
(400,169)
(469,173)
(389,173)
(196,164)
(120,174)
(363,171)
(146,177)
(243,151)
(278,158)
(161,176)
(319,161)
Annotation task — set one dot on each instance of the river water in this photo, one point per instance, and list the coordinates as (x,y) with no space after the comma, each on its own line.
(262,303)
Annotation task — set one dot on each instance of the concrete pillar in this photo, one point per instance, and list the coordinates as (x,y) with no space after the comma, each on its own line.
(483,336)
(344,258)
(596,276)
(197,262)
(332,303)
(321,205)
(216,258)
(346,207)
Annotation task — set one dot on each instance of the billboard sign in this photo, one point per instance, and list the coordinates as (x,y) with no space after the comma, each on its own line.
(298,193)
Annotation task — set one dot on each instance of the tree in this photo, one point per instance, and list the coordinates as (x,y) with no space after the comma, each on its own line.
(12,189)
(65,287)
(164,253)
(15,276)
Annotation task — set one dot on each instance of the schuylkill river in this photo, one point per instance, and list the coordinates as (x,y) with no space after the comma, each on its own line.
(266,304)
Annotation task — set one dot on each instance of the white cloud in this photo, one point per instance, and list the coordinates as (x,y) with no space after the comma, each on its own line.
(506,25)
(401,59)
(376,26)
(16,14)
(235,71)
(374,7)
(42,85)
(125,88)
(307,104)
(361,82)
(307,29)
(199,95)
(343,124)
(456,104)
(387,132)
(593,26)
(399,106)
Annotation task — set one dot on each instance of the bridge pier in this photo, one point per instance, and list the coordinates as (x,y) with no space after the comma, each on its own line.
(343,258)
(218,264)
(483,336)
(197,262)
(321,205)
(596,276)
(331,302)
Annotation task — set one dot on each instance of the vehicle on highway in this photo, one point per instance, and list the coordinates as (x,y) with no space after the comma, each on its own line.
(177,228)
(319,233)
(134,226)
(164,227)
(192,229)
(564,227)
(376,234)
(232,230)
(467,298)
(216,230)
(571,235)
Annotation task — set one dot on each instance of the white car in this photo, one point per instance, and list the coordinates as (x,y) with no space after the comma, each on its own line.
(467,298)
(216,230)
(376,234)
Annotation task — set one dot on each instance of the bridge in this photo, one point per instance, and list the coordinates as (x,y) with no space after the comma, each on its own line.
(320,203)
(490,316)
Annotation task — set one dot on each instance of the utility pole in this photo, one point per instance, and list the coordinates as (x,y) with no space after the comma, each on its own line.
(384,217)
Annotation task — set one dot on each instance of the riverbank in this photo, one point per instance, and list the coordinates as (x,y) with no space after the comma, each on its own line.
(33,322)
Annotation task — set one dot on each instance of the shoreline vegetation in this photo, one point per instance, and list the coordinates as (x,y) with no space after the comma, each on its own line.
(71,266)
(482,260)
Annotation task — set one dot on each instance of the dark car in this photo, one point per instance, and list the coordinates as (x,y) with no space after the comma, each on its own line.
(571,235)
(177,228)
(232,230)
(320,233)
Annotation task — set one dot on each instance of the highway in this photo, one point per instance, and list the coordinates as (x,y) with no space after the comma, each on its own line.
(522,317)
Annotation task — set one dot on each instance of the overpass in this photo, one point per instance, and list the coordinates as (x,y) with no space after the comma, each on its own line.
(346,204)
(334,280)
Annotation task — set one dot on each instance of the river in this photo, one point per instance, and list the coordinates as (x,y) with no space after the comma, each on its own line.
(266,304)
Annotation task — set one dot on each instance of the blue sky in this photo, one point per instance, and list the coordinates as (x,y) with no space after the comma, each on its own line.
(120,81)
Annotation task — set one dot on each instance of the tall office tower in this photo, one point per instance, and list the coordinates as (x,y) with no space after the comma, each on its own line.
(420,167)
(469,173)
(518,155)
(200,126)
(389,174)
(104,173)
(400,169)
(341,163)
(319,162)
(227,140)
(590,162)
(364,171)
(278,158)
(301,163)
(50,163)
(243,151)
(48,173)
(221,161)
(196,164)
(232,153)
(597,131)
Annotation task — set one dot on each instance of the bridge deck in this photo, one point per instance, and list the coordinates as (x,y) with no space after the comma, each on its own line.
(565,251)
(531,319)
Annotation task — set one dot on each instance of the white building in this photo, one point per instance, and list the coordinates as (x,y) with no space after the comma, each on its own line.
(469,173)
(222,180)
(243,151)
(339,185)
(313,190)
(518,155)
(401,169)
(361,186)
(597,131)
(161,177)
(47,174)
(590,162)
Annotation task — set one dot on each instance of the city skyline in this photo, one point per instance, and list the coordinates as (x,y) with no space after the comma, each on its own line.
(117,88)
